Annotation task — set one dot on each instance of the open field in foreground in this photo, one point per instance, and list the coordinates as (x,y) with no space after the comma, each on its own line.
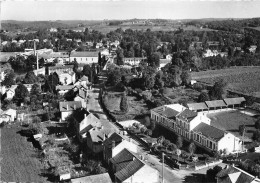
(230,121)
(19,161)
(241,79)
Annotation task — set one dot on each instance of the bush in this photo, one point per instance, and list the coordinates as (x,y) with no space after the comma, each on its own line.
(124,104)
(146,95)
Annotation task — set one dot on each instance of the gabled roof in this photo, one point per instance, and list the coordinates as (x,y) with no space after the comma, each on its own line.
(234,101)
(215,103)
(127,164)
(187,115)
(235,175)
(197,106)
(84,54)
(70,106)
(99,134)
(84,78)
(169,113)
(209,131)
(99,178)
(114,137)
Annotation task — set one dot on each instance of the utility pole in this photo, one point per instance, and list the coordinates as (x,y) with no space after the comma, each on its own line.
(162,167)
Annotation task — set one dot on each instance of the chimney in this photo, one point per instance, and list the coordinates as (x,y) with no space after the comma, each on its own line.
(104,137)
(102,127)
(34,47)
(113,144)
(75,107)
(67,107)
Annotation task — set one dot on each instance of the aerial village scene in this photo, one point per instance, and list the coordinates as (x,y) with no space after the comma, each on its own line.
(130,91)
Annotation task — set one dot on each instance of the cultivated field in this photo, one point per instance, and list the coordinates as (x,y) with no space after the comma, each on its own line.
(19,161)
(230,121)
(241,79)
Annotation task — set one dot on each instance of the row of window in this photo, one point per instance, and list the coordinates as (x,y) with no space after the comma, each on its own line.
(196,137)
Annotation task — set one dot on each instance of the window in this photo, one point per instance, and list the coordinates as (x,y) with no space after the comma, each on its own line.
(214,146)
(86,59)
(210,145)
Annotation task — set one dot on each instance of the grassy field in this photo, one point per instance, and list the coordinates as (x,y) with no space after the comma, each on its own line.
(19,161)
(241,79)
(230,121)
(135,106)
(182,94)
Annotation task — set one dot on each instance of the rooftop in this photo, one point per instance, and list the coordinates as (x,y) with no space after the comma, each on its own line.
(197,106)
(209,131)
(234,101)
(127,164)
(215,103)
(84,54)
(70,106)
(64,87)
(187,115)
(99,178)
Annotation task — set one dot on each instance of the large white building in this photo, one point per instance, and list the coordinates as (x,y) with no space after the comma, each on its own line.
(84,57)
(195,126)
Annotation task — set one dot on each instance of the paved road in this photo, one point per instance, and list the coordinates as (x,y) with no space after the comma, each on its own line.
(169,175)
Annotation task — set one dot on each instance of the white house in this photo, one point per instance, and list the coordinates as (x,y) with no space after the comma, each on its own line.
(82,97)
(7,116)
(84,57)
(67,78)
(53,30)
(115,144)
(62,89)
(128,167)
(66,108)
(10,92)
(133,60)
(210,53)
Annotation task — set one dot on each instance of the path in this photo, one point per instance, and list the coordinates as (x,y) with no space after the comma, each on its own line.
(169,175)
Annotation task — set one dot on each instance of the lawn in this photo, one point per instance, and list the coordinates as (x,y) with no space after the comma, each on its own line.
(136,107)
(230,121)
(240,79)
(19,158)
(181,94)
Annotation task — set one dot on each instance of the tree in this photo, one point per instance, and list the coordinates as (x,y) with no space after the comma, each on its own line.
(21,92)
(257,124)
(192,148)
(154,59)
(120,57)
(203,97)
(218,90)
(160,140)
(36,90)
(87,71)
(147,121)
(256,135)
(51,82)
(186,77)
(75,65)
(124,104)
(30,62)
(30,78)
(9,78)
(179,141)
(166,143)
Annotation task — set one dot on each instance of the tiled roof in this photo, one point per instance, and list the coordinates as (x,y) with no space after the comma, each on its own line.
(235,175)
(197,106)
(99,135)
(70,106)
(127,164)
(234,101)
(209,131)
(99,178)
(169,113)
(215,103)
(84,54)
(187,115)
(114,137)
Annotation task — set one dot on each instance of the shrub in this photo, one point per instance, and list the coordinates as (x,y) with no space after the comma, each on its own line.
(124,104)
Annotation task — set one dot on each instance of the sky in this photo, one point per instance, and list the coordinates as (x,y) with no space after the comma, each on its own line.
(127,9)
